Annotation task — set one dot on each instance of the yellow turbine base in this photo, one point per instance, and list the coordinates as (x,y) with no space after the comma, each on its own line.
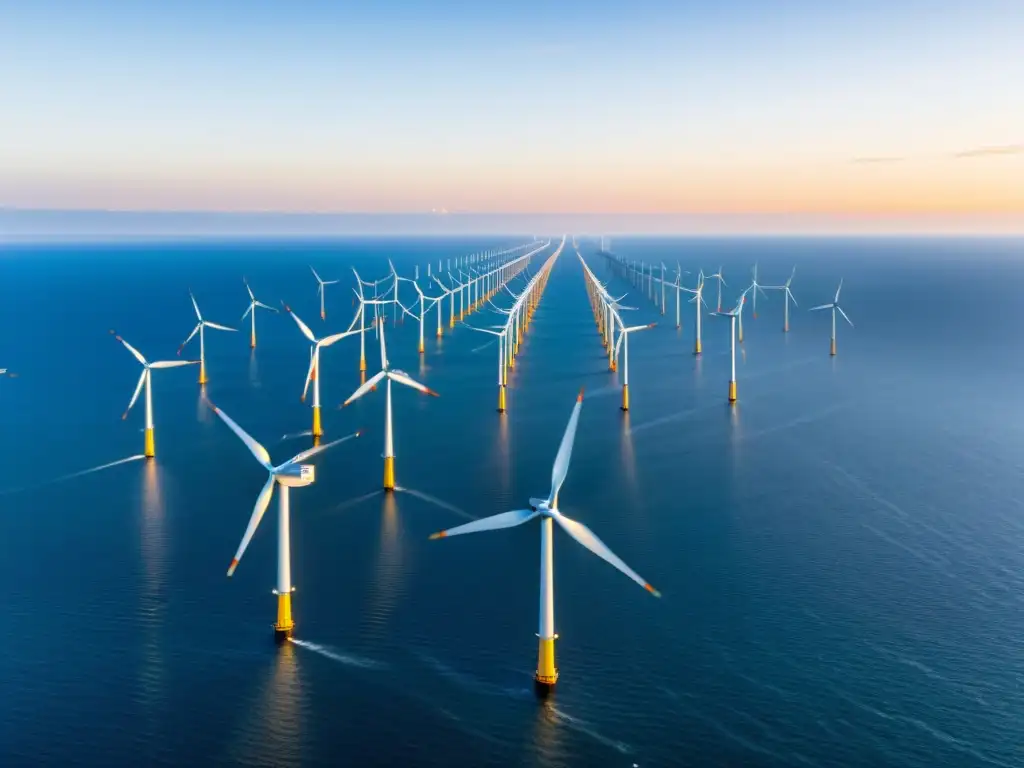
(284,626)
(252,341)
(785,328)
(547,673)
(318,429)
(732,391)
(202,374)
(150,444)
(389,473)
(501,399)
(739,337)
(362,364)
(613,366)
(422,349)
(625,397)
(696,347)
(833,350)
(440,333)
(451,322)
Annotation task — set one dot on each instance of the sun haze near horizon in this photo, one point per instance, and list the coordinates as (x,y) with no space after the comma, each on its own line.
(732,117)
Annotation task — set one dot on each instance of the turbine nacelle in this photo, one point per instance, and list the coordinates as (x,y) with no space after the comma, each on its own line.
(296,475)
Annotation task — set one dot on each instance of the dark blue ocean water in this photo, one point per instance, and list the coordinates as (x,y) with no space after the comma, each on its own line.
(840,554)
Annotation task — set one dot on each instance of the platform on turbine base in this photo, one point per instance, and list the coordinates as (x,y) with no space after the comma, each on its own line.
(544,685)
(150,449)
(732,392)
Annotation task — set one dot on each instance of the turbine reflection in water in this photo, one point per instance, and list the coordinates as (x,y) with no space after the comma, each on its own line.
(387,582)
(547,735)
(254,369)
(629,454)
(153,549)
(272,734)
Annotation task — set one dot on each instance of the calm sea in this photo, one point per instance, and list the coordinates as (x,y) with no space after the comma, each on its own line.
(840,555)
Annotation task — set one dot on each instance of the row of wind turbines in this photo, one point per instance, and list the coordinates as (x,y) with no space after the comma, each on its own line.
(642,275)
(474,287)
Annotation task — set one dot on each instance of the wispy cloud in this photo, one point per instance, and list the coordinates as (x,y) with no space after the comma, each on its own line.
(876,160)
(1007,149)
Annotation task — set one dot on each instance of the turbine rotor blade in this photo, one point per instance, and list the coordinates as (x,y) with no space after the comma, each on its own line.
(133,350)
(311,452)
(844,315)
(402,378)
(586,537)
(262,502)
(561,466)
(135,396)
(208,324)
(492,523)
(302,326)
(172,363)
(372,382)
(257,450)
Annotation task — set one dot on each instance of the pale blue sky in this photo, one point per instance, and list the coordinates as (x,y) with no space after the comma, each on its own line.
(586,107)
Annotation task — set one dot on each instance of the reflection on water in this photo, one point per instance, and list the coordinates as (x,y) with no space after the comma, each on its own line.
(203,412)
(271,734)
(547,735)
(503,449)
(388,569)
(152,611)
(628,454)
(254,369)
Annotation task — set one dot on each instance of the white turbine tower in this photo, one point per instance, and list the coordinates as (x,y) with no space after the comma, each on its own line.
(399,377)
(200,326)
(253,303)
(146,378)
(735,312)
(320,283)
(624,343)
(292,474)
(787,296)
(721,281)
(547,509)
(834,306)
(314,365)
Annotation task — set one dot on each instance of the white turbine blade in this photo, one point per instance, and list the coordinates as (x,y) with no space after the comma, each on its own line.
(836,299)
(791,296)
(821,306)
(492,523)
(372,382)
(218,327)
(266,306)
(403,378)
(561,467)
(186,341)
(311,452)
(262,502)
(639,327)
(483,330)
(331,282)
(251,296)
(133,350)
(257,450)
(248,310)
(302,326)
(198,314)
(135,396)
(618,344)
(403,308)
(586,537)
(336,337)
(172,363)
(383,348)
(844,315)
(309,374)
(316,275)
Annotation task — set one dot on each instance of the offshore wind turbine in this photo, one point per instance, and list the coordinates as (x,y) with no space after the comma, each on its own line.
(755,287)
(732,315)
(253,303)
(291,474)
(787,295)
(146,378)
(624,342)
(314,365)
(721,281)
(502,341)
(320,283)
(200,326)
(399,377)
(547,510)
(834,306)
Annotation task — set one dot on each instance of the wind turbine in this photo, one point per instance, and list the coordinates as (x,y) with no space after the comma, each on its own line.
(787,295)
(292,474)
(391,375)
(253,303)
(502,341)
(146,378)
(721,281)
(547,509)
(755,287)
(320,290)
(698,299)
(834,306)
(732,315)
(202,324)
(314,365)
(624,341)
